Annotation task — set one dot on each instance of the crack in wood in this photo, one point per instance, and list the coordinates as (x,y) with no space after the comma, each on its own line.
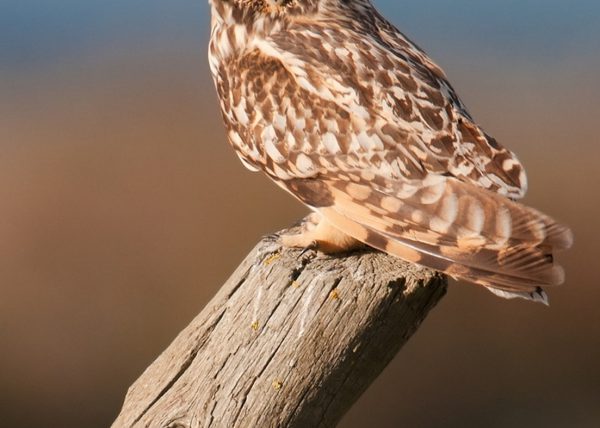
(320,350)
(184,366)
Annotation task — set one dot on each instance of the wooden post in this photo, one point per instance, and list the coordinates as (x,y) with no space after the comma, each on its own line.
(290,340)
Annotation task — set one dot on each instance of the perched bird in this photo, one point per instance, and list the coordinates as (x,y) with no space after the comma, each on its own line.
(340,109)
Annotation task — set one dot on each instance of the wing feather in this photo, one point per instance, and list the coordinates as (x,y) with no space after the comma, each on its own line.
(369,132)
(397,90)
(474,244)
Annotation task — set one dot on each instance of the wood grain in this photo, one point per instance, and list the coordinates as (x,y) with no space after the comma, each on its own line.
(290,340)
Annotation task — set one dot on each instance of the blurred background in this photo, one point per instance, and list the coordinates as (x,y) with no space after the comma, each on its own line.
(123,210)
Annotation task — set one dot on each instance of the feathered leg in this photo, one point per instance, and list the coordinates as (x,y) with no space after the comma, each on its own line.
(320,234)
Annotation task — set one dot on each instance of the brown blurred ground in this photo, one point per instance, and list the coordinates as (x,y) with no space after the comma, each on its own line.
(123,210)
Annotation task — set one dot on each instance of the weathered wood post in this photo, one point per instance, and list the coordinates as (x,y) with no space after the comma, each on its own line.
(290,340)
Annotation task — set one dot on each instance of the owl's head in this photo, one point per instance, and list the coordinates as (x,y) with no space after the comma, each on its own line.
(275,8)
(263,12)
(289,8)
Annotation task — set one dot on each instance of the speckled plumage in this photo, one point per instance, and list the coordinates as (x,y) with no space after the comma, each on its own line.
(343,111)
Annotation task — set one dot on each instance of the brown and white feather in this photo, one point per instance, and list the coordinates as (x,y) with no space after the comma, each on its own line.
(343,111)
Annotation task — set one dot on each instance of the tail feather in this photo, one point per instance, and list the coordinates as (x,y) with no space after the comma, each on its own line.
(456,267)
(457,228)
(539,295)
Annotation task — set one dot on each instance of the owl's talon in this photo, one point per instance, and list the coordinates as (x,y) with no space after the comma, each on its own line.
(323,238)
(313,246)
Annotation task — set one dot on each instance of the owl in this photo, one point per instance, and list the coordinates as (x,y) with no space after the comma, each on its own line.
(344,112)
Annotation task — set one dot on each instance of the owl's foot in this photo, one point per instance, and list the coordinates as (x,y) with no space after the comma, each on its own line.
(318,234)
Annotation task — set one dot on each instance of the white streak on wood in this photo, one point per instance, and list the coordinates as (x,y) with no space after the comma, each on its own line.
(219,372)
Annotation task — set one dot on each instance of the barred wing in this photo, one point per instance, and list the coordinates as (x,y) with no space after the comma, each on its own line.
(398,182)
